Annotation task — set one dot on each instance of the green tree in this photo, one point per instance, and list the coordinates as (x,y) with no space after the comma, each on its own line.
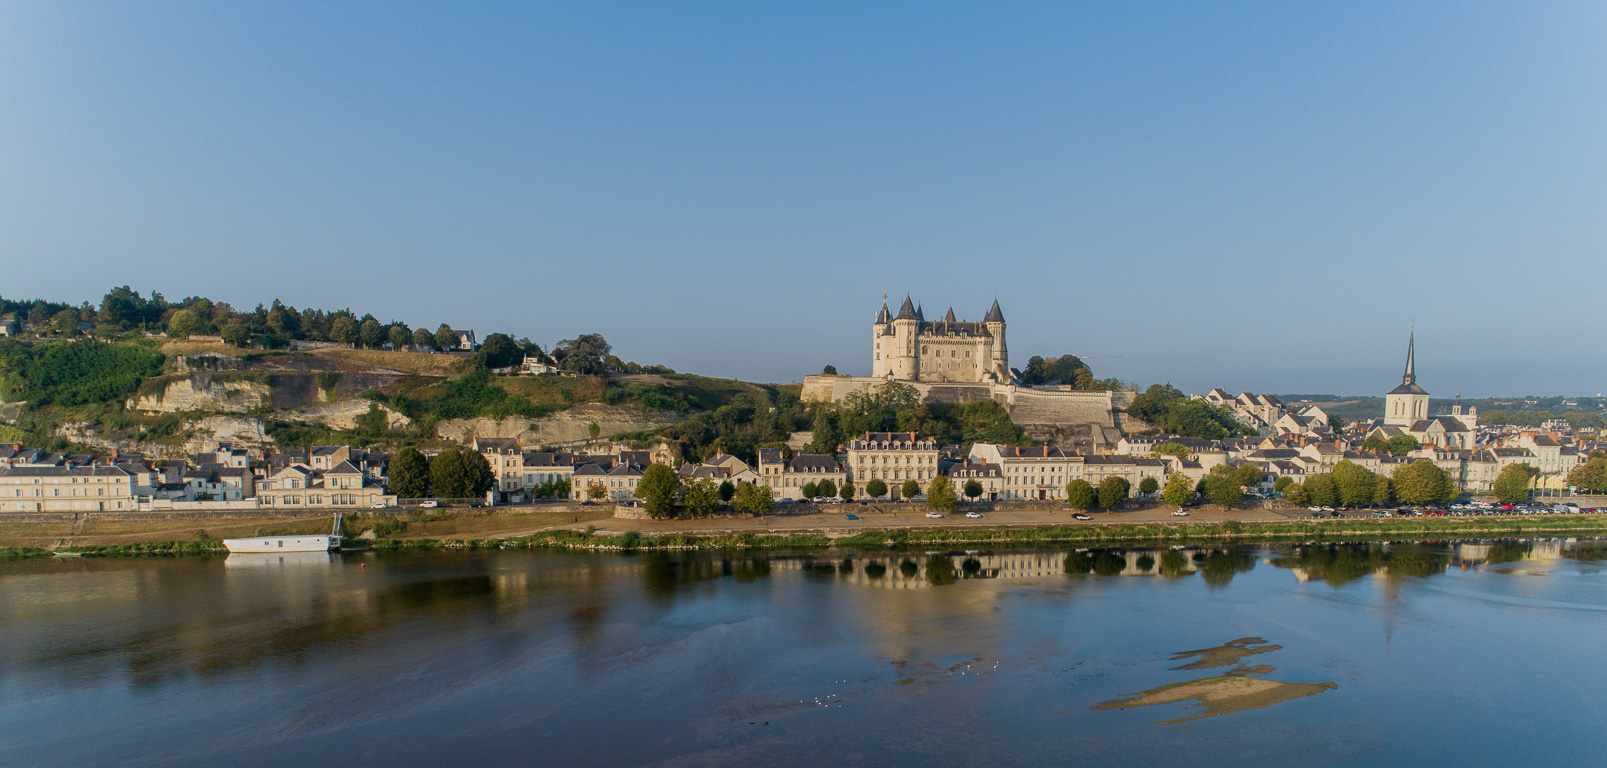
(973,489)
(1321,491)
(1113,491)
(596,491)
(398,336)
(1223,486)
(700,497)
(1179,489)
(423,339)
(1422,482)
(1384,491)
(343,330)
(847,491)
(829,370)
(1591,475)
(1295,494)
(236,333)
(459,473)
(727,490)
(910,489)
(1081,495)
(1375,444)
(499,351)
(657,489)
(876,488)
(445,337)
(810,490)
(1282,483)
(1512,484)
(753,499)
(182,324)
(1400,445)
(826,488)
(1148,485)
(370,334)
(940,494)
(594,430)
(409,474)
(65,322)
(1170,449)
(1354,482)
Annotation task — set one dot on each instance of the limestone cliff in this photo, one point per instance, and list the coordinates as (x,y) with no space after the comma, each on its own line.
(201,392)
(566,426)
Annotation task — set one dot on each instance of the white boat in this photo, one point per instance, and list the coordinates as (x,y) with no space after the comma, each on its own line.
(291,543)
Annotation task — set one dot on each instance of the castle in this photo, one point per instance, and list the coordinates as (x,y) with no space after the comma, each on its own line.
(908,347)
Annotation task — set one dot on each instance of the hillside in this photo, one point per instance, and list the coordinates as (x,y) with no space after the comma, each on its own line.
(168,398)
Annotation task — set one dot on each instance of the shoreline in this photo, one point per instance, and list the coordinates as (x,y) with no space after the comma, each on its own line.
(1110,534)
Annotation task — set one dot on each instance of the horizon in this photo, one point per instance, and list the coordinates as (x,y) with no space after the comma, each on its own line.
(1261,199)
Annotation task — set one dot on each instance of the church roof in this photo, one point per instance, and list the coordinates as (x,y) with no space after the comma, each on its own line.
(994,315)
(1408,388)
(906,311)
(1409,379)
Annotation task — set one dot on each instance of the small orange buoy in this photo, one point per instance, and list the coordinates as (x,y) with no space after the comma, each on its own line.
(362,565)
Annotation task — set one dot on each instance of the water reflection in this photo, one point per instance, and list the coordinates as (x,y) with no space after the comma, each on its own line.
(155,619)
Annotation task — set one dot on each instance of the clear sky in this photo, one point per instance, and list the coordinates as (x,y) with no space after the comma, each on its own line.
(1257,196)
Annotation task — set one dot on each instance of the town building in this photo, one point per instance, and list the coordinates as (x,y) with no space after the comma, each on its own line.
(786,478)
(892,457)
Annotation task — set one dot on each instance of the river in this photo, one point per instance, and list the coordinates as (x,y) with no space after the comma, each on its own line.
(1475,653)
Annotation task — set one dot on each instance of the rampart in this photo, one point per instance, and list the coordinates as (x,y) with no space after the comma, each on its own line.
(1069,418)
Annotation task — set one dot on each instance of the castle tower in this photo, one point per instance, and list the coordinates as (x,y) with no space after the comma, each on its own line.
(1407,403)
(999,364)
(906,351)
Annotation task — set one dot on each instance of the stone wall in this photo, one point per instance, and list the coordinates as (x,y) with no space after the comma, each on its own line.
(1068,418)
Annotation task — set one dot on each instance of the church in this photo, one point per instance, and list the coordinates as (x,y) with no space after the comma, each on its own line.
(908,347)
(1406,412)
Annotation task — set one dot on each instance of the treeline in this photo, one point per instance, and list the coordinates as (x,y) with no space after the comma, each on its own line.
(123,311)
(1172,412)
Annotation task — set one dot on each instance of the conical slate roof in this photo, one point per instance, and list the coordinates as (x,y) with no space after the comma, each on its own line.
(906,311)
(949,318)
(994,315)
(883,316)
(919,315)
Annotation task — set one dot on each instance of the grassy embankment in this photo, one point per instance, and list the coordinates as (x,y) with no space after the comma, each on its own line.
(422,532)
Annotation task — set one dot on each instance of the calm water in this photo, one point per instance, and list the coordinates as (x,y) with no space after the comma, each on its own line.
(1468,654)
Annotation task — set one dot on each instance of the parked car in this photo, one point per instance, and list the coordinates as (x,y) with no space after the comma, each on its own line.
(1081,516)
(973,515)
(378,506)
(934,514)
(431,504)
(1180,513)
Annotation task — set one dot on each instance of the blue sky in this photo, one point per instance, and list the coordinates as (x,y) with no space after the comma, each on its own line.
(1252,195)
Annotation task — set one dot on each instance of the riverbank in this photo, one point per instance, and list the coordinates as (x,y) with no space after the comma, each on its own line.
(1103,535)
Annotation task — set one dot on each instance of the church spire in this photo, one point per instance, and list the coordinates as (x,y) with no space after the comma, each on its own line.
(1411,367)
